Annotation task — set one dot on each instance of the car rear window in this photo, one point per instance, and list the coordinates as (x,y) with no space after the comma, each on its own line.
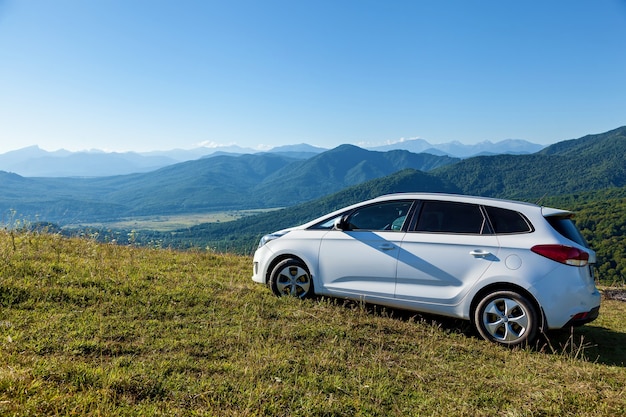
(566,227)
(506,221)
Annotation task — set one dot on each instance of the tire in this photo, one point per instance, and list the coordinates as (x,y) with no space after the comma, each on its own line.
(291,277)
(506,318)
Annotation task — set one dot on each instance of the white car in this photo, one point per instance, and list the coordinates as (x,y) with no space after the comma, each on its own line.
(513,269)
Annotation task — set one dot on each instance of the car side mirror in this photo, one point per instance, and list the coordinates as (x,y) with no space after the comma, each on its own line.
(341,223)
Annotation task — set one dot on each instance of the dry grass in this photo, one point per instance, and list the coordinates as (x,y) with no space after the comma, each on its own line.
(96,329)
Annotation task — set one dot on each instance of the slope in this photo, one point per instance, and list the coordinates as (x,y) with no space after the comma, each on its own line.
(224,182)
(242,235)
(217,183)
(104,330)
(337,169)
(593,162)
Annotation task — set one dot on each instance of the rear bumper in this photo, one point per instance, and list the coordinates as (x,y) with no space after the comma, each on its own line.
(583,318)
(568,296)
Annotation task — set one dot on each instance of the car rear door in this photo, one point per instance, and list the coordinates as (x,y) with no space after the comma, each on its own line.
(449,247)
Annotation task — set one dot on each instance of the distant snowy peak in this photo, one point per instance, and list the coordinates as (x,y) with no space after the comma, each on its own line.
(302,147)
(182,155)
(411,145)
(460,150)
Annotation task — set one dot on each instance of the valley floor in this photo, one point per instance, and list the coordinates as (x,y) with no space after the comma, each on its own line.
(168,223)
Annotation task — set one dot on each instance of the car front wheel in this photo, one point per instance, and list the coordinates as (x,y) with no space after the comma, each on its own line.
(506,317)
(291,277)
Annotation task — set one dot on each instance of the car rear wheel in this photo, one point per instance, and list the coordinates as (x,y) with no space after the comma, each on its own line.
(292,278)
(507,318)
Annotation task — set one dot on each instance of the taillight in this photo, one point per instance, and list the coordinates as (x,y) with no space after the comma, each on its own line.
(564,254)
(581,316)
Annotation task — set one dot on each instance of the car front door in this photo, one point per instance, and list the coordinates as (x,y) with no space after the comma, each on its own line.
(361,259)
(448,249)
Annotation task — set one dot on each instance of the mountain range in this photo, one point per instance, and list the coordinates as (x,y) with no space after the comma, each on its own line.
(588,172)
(270,180)
(459,150)
(35,162)
(223,182)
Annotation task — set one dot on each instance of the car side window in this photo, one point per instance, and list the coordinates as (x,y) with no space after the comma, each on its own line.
(506,221)
(382,216)
(451,217)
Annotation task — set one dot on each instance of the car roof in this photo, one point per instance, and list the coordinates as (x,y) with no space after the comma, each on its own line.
(452,197)
(462,198)
(546,211)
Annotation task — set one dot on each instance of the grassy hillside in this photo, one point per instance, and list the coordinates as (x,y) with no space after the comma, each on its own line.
(100,329)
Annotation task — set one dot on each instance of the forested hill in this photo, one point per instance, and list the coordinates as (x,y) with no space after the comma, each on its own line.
(593,162)
(337,169)
(592,145)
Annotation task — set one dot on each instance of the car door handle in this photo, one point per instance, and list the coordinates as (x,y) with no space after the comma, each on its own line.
(387,246)
(478,253)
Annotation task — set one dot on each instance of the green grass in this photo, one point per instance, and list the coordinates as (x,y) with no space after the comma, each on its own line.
(99,329)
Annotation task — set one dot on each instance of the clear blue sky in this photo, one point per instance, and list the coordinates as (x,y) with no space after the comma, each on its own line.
(146,75)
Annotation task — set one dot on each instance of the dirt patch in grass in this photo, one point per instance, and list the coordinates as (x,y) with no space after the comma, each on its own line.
(615,294)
